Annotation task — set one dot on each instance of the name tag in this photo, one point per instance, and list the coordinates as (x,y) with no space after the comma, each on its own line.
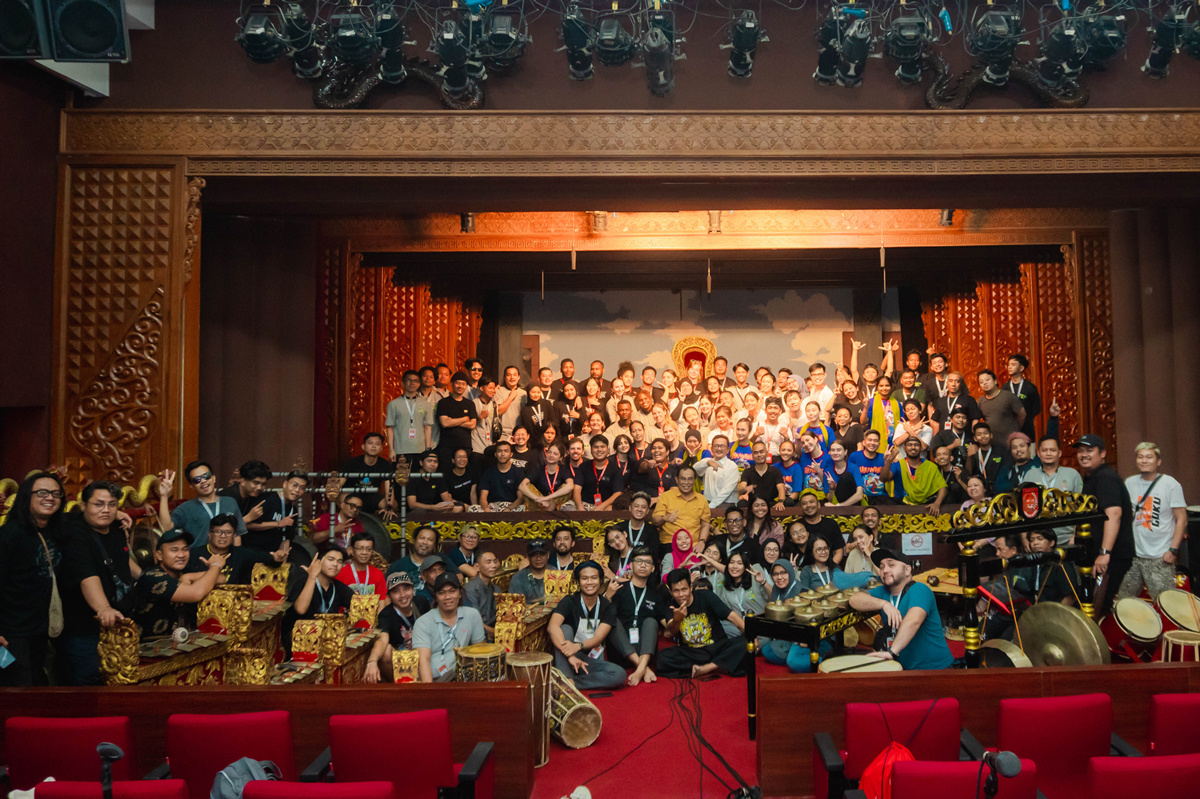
(635,636)
(412,434)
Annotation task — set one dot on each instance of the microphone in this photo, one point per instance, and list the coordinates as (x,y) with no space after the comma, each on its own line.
(1004,764)
(109,753)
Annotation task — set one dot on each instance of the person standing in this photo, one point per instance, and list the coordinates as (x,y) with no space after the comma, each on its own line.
(456,418)
(912,627)
(1001,409)
(1052,474)
(578,628)
(404,421)
(489,431)
(509,399)
(720,474)
(1112,551)
(1024,390)
(1159,522)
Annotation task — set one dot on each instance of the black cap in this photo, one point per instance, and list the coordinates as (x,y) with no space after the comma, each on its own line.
(1089,440)
(175,535)
(537,545)
(880,555)
(444,580)
(460,375)
(432,561)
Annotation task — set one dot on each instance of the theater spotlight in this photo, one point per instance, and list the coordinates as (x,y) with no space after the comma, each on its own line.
(471,24)
(467,222)
(308,56)
(1168,36)
(505,40)
(744,36)
(1104,35)
(614,44)
(843,45)
(660,62)
(1063,51)
(262,34)
(352,36)
(856,47)
(389,26)
(577,41)
(993,38)
(452,51)
(905,42)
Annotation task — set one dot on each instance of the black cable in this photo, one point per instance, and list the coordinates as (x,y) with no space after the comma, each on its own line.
(692,692)
(979,778)
(645,741)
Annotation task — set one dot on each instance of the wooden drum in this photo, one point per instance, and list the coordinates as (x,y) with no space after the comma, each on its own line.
(1180,610)
(480,663)
(1181,646)
(573,719)
(535,668)
(863,633)
(1132,630)
(857,664)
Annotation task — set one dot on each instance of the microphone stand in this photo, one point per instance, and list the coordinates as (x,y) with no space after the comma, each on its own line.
(109,754)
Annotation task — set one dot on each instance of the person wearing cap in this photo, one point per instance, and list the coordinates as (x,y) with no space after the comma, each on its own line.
(1020,448)
(429,493)
(480,592)
(395,625)
(164,597)
(1112,551)
(578,628)
(912,627)
(456,418)
(431,568)
(448,626)
(921,479)
(239,561)
(531,580)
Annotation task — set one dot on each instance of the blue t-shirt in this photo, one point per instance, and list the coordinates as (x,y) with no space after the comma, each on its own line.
(927,649)
(742,456)
(867,473)
(793,476)
(814,473)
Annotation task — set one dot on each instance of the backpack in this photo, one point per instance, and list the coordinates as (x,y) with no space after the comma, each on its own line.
(233,778)
(876,780)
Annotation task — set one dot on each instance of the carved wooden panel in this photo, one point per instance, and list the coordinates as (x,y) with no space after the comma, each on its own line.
(362,365)
(1009,319)
(1051,289)
(971,345)
(1095,282)
(326,391)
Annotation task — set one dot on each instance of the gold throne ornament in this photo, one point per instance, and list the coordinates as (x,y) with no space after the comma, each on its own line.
(693,348)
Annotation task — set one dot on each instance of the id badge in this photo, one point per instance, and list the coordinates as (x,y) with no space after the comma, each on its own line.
(597,500)
(596,652)
(412,434)
(442,669)
(635,636)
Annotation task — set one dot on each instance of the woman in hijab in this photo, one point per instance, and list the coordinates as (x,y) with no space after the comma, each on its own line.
(682,555)
(738,590)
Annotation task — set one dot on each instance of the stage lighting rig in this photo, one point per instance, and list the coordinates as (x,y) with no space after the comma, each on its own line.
(506,38)
(1104,35)
(615,45)
(843,45)
(906,41)
(262,35)
(577,41)
(308,55)
(452,50)
(1063,51)
(659,56)
(745,34)
(993,38)
(390,27)
(352,35)
(1169,33)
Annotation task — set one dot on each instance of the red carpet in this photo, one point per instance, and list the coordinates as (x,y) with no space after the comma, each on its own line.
(663,767)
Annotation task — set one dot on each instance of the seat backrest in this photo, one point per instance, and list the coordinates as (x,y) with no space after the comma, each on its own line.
(1061,733)
(868,725)
(267,789)
(1174,724)
(410,750)
(65,749)
(925,779)
(122,789)
(1167,777)
(199,746)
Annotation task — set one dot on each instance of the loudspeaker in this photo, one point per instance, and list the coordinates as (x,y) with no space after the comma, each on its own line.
(88,30)
(23,31)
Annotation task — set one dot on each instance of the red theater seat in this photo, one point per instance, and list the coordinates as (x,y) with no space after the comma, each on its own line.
(199,746)
(1167,777)
(870,727)
(269,789)
(65,749)
(122,789)
(1175,724)
(922,779)
(1061,734)
(363,749)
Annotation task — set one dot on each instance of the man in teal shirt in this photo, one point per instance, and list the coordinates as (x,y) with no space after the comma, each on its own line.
(912,627)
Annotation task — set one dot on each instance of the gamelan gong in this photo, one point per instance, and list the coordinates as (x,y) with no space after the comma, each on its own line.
(1053,634)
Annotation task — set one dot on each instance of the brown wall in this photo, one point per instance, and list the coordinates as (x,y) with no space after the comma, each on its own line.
(31,101)
(192,61)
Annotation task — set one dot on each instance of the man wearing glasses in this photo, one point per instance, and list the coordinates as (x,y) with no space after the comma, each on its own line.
(474,370)
(194,516)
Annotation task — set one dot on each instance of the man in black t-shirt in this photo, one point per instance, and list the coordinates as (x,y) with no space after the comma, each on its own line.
(821,527)
(499,484)
(1113,550)
(598,482)
(461,480)
(578,628)
(280,516)
(761,480)
(165,597)
(640,613)
(429,493)
(956,438)
(253,477)
(395,625)
(239,561)
(703,645)
(456,417)
(736,540)
(372,463)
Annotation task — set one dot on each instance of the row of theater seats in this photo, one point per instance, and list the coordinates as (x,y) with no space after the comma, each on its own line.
(1067,747)
(381,756)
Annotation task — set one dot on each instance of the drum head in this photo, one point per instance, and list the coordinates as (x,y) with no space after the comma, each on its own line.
(481,650)
(857,664)
(528,659)
(1180,607)
(1138,619)
(378,530)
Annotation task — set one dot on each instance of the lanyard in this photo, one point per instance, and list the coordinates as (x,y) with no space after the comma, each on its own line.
(624,565)
(594,618)
(1016,387)
(822,576)
(983,459)
(448,639)
(729,549)
(599,474)
(549,482)
(364,580)
(661,472)
(284,508)
(212,514)
(639,455)
(412,411)
(637,605)
(326,603)
(941,386)
(635,541)
(871,392)
(468,559)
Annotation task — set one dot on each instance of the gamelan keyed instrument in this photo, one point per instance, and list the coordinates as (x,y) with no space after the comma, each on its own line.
(574,720)
(480,663)
(535,668)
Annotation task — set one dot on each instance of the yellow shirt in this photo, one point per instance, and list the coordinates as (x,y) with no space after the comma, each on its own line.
(693,514)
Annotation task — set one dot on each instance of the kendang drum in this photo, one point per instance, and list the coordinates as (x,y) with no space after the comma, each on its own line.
(1132,630)
(573,719)
(855,664)
(535,668)
(480,663)
(1180,610)
(863,633)
(1180,646)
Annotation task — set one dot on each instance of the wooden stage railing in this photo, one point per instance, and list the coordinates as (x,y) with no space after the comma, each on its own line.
(792,709)
(496,712)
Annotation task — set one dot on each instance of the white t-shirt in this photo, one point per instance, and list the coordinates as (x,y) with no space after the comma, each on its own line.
(1153,519)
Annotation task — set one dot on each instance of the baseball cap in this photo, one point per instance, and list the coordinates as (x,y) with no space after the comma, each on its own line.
(880,555)
(432,561)
(537,545)
(460,375)
(1089,440)
(175,535)
(399,578)
(444,580)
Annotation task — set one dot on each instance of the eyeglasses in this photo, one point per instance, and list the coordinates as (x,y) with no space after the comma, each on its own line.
(100,504)
(42,493)
(476,369)
(643,562)
(200,478)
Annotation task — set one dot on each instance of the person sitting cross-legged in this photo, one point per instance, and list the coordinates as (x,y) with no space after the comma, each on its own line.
(578,628)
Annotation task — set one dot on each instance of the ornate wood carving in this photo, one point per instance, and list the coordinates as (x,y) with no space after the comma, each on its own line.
(1095,286)
(192,224)
(1051,289)
(362,365)
(646,143)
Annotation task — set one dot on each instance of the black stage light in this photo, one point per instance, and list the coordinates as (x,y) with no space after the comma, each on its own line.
(577,39)
(1063,51)
(905,42)
(308,56)
(23,31)
(855,48)
(829,40)
(1104,35)
(505,41)
(1168,36)
(470,22)
(453,52)
(88,30)
(660,62)
(352,36)
(389,26)
(466,222)
(665,23)
(744,36)
(614,44)
(262,35)
(993,39)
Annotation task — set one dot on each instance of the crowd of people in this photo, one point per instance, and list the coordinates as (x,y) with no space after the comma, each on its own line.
(733,450)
